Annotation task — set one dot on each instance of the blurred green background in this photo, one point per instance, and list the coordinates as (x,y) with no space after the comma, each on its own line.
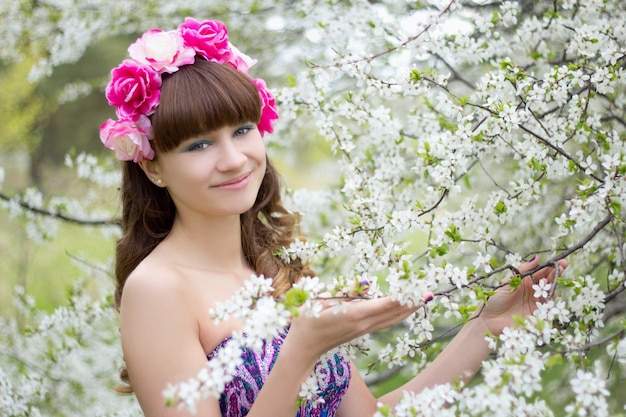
(39,130)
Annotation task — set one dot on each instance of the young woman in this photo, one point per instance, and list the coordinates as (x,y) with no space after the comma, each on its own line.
(202,212)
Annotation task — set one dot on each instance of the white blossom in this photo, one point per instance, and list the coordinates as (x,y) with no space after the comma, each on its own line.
(464,139)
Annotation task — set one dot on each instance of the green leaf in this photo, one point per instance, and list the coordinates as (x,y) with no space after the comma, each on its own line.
(463,100)
(515,281)
(466,311)
(500,207)
(519,320)
(615,206)
(415,76)
(453,233)
(536,54)
(536,165)
(385,410)
(295,297)
(439,250)
(495,17)
(554,360)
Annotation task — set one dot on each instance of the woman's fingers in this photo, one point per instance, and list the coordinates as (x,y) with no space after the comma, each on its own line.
(355,318)
(366,316)
(378,313)
(526,266)
(544,279)
(550,272)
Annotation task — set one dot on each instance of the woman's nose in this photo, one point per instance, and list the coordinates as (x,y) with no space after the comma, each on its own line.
(231,158)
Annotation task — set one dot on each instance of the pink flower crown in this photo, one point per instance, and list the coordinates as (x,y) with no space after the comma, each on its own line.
(134,89)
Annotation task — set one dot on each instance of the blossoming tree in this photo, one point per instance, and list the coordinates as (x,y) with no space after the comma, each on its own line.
(466,137)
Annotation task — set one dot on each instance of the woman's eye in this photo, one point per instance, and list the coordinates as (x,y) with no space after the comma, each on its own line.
(198,146)
(243,130)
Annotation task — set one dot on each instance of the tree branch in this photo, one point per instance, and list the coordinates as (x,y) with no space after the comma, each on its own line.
(61,216)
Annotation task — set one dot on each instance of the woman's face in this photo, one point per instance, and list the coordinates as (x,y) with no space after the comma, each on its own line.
(215,174)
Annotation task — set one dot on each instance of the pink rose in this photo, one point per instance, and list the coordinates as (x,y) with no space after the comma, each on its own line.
(130,140)
(134,90)
(240,61)
(208,38)
(269,113)
(163,51)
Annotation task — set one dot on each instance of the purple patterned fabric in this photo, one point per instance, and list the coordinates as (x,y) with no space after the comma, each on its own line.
(240,393)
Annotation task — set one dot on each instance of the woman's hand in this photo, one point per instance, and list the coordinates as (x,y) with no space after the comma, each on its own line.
(507,302)
(334,327)
(463,356)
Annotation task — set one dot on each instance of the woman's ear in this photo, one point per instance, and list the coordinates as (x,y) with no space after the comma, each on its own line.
(151,169)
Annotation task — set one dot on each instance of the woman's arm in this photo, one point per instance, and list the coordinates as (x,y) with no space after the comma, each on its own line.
(160,339)
(463,356)
(460,360)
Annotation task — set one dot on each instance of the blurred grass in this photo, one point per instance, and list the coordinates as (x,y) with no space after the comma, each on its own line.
(47,270)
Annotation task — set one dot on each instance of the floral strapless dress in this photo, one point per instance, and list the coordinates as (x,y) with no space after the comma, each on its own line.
(249,377)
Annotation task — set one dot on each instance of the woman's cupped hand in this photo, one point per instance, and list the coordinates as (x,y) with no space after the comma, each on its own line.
(338,324)
(507,302)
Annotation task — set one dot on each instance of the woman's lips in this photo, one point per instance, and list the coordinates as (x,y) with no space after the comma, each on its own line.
(235,183)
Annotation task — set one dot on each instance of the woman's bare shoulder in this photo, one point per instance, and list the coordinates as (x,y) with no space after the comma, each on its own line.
(152,287)
(160,286)
(155,273)
(162,291)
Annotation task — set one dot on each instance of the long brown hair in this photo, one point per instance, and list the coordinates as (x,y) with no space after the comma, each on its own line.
(196,99)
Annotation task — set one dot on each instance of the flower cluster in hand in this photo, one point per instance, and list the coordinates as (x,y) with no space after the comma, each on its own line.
(135,86)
